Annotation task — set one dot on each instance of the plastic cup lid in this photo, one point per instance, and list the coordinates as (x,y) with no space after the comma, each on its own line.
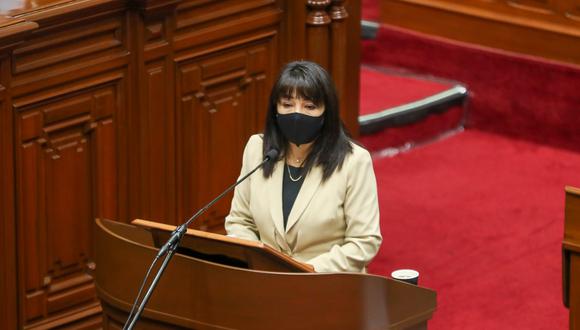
(405,274)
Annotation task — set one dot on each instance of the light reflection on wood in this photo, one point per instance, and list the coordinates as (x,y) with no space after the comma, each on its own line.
(16,7)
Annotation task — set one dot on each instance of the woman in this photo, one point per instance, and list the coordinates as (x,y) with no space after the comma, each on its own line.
(318,202)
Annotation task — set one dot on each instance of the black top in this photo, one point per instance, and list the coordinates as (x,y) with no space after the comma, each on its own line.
(290,189)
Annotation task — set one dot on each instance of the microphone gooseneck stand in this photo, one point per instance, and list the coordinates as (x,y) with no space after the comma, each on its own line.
(169,248)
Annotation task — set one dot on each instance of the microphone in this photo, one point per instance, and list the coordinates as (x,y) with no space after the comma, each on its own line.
(272,154)
(172,243)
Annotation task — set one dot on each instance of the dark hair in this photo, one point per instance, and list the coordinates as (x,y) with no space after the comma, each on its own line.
(309,81)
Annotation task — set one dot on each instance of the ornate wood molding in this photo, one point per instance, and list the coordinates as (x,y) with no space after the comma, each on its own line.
(317,12)
(14,31)
(338,11)
(154,6)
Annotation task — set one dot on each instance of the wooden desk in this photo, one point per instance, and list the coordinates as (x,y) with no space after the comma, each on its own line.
(571,256)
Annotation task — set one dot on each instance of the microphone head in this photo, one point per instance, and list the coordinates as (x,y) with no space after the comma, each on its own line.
(272,154)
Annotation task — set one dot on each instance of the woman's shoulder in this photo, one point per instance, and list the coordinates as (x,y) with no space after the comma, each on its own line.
(359,153)
(254,146)
(255,140)
(358,162)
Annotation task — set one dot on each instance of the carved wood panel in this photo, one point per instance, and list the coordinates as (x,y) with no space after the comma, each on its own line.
(53,58)
(157,144)
(66,177)
(221,103)
(205,21)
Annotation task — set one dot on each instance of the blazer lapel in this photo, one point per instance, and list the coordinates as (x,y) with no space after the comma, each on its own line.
(274,190)
(309,187)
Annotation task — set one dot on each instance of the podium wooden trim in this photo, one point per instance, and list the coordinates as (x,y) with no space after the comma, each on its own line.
(201,294)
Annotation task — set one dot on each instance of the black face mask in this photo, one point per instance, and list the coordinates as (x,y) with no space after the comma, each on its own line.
(299,128)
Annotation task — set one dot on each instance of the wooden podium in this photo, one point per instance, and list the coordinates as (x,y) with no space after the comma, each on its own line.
(218,282)
(571,256)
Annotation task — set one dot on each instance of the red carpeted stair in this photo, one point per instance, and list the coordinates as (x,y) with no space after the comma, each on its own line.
(382,88)
(510,94)
(399,108)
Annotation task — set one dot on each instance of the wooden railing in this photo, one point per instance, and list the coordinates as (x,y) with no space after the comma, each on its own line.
(549,29)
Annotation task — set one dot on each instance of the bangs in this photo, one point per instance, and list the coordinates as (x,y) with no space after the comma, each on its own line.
(296,84)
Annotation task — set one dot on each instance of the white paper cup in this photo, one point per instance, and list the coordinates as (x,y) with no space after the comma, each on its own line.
(406,275)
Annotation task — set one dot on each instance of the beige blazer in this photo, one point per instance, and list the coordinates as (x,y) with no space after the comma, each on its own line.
(333,225)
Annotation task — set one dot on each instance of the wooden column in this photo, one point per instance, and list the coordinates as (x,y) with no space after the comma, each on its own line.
(338,54)
(317,32)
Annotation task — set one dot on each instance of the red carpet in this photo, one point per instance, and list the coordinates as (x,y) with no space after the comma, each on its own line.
(481,214)
(481,217)
(370,10)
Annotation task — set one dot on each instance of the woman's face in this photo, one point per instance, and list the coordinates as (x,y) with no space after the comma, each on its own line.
(299,105)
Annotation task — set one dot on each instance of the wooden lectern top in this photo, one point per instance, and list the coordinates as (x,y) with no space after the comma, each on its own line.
(227,250)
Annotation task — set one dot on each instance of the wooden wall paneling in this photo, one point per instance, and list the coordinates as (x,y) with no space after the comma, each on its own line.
(67,100)
(66,163)
(220,98)
(292,32)
(202,30)
(51,57)
(154,107)
(222,91)
(56,13)
(133,129)
(8,265)
(12,32)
